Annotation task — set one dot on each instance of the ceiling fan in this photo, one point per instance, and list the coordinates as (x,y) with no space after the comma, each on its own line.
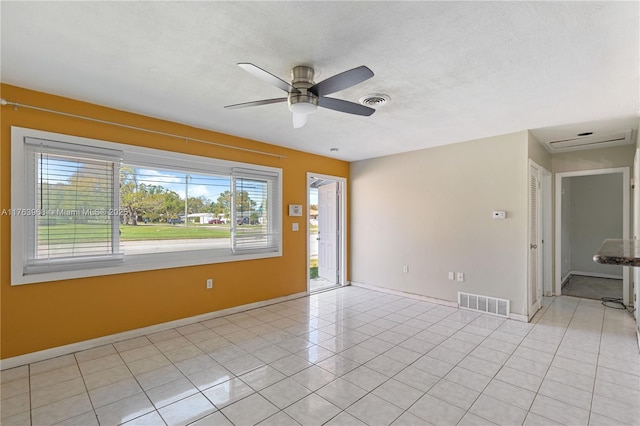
(304,96)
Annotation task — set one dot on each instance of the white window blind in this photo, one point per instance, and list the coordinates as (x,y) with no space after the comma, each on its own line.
(73,218)
(255,225)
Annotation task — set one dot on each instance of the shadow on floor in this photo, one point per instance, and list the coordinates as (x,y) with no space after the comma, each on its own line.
(592,287)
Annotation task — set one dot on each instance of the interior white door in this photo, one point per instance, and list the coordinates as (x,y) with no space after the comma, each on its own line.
(327,232)
(535,249)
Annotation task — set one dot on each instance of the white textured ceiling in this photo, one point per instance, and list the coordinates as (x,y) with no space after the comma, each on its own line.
(455,71)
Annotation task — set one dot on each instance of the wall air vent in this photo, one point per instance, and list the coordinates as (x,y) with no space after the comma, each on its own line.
(590,141)
(484,304)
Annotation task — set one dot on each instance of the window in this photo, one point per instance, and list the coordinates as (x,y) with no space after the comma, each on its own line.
(84,207)
(71,192)
(163,210)
(253,229)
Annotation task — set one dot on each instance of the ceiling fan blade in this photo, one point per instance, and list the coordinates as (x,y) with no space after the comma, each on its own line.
(256,103)
(342,81)
(268,77)
(299,120)
(345,106)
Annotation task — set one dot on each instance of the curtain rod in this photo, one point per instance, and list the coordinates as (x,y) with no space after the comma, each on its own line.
(142,129)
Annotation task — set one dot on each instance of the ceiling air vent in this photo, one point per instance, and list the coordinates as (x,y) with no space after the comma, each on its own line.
(591,141)
(375,100)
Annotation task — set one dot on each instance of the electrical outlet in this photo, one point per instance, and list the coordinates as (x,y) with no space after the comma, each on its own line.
(460,276)
(452,276)
(405,269)
(499,214)
(209,283)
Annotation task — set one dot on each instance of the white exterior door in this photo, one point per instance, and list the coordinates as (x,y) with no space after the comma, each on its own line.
(327,232)
(535,246)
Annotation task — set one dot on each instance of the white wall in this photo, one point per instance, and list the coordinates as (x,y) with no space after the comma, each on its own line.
(431,210)
(595,215)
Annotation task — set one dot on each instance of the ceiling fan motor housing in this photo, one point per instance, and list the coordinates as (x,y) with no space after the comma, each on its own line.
(303,102)
(302,76)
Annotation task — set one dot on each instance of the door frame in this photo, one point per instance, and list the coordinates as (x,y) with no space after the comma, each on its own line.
(636,236)
(546,198)
(625,171)
(341,237)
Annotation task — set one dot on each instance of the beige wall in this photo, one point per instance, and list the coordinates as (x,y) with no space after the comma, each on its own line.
(431,210)
(538,153)
(603,158)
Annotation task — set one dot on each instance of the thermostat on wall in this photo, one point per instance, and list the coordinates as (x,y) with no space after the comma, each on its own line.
(295,210)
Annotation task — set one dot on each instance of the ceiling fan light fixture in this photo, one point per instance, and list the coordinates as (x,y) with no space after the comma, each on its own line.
(303,103)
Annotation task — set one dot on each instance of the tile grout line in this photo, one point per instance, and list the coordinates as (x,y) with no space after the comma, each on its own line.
(595,377)
(93,408)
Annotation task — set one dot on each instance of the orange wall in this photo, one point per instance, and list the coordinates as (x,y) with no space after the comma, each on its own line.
(40,316)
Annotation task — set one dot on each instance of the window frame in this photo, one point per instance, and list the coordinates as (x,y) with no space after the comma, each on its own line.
(140,156)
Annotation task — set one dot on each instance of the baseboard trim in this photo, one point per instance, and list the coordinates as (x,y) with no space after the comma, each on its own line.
(596,275)
(519,317)
(113,338)
(515,317)
(406,294)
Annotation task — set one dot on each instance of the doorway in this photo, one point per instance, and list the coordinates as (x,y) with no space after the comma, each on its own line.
(326,239)
(584,220)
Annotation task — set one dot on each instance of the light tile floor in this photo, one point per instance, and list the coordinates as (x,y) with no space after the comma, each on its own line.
(348,357)
(319,284)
